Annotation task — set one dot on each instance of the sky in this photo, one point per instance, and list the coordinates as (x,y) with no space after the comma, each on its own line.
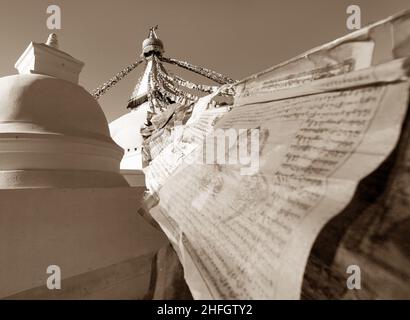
(234,37)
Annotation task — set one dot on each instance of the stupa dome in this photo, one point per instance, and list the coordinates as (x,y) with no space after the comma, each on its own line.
(53,133)
(42,104)
(126,132)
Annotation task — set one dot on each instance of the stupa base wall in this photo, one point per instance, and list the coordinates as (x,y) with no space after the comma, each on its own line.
(102,246)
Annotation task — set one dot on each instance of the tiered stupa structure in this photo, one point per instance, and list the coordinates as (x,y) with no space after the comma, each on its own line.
(157,97)
(63,200)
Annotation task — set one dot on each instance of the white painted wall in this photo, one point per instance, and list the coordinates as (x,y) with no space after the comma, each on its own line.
(125,131)
(80,230)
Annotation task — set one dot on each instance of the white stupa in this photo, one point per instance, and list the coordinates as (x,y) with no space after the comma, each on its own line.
(52,132)
(156,91)
(63,201)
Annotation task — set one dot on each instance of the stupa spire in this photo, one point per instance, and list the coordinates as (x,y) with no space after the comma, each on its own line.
(52,41)
(158,86)
(152,33)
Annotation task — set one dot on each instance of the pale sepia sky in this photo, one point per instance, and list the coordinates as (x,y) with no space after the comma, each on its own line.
(234,37)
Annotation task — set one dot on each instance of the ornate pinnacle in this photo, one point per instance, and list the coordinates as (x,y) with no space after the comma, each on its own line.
(52,41)
(152,33)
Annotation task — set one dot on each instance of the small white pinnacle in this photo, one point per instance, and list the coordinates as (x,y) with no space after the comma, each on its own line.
(52,41)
